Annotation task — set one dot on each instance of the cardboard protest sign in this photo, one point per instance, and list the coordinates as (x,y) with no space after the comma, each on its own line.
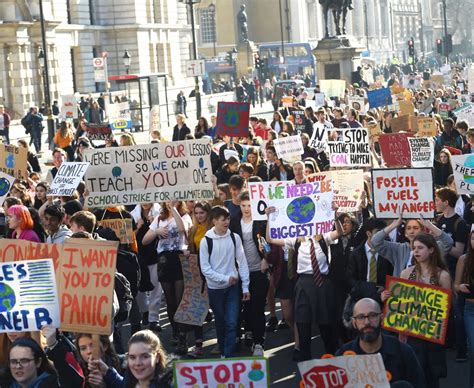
(395,149)
(354,371)
(417,309)
(350,149)
(86,285)
(233,119)
(28,296)
(374,131)
(67,178)
(287,101)
(401,124)
(99,131)
(463,170)
(427,127)
(348,187)
(379,98)
(332,87)
(319,139)
(299,120)
(426,105)
(6,182)
(194,304)
(119,115)
(149,173)
(68,107)
(251,372)
(358,103)
(406,108)
(422,151)
(289,148)
(13,161)
(122,227)
(17,250)
(301,210)
(406,192)
(466,112)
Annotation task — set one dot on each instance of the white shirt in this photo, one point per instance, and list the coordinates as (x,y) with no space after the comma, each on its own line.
(176,241)
(369,258)
(304,254)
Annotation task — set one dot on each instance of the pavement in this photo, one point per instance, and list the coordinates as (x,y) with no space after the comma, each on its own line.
(279,345)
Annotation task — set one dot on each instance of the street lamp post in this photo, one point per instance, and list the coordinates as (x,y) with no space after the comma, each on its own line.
(126,61)
(41,63)
(446,53)
(47,96)
(197,94)
(212,13)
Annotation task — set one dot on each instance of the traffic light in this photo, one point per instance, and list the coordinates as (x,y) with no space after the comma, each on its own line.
(439,46)
(411,48)
(258,62)
(228,58)
(449,44)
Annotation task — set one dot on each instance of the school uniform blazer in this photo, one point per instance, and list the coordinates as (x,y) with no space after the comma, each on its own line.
(357,268)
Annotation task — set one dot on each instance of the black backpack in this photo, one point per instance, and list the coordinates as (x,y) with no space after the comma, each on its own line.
(124,296)
(26,123)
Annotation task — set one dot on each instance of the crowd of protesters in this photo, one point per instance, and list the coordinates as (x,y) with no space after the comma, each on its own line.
(335,281)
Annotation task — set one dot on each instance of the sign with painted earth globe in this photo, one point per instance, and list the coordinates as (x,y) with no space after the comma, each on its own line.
(301,210)
(7,298)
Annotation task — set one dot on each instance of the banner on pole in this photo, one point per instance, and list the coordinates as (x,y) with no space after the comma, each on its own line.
(67,178)
(350,147)
(417,309)
(354,371)
(28,296)
(233,119)
(289,148)
(194,304)
(301,210)
(406,192)
(149,173)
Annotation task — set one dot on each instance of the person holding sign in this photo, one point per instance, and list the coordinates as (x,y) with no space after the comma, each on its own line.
(400,255)
(464,285)
(398,358)
(429,268)
(314,290)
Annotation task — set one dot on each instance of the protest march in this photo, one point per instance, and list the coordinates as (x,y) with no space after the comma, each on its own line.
(342,228)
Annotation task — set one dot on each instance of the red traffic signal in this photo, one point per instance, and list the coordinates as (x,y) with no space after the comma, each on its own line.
(439,46)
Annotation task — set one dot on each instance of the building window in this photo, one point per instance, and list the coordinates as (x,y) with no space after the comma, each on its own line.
(91,12)
(207,25)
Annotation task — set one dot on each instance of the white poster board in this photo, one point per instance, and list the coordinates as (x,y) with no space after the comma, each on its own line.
(301,210)
(289,148)
(319,139)
(349,147)
(6,182)
(406,192)
(358,103)
(463,170)
(67,178)
(422,151)
(68,107)
(28,296)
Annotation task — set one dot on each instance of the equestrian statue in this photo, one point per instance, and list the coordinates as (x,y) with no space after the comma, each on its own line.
(338,8)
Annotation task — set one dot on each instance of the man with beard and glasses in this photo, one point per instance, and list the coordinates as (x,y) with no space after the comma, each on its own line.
(399,358)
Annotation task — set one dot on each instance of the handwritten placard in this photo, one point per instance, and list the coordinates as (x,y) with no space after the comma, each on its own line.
(463,170)
(99,131)
(13,161)
(233,119)
(417,309)
(406,192)
(395,149)
(122,227)
(289,148)
(67,178)
(427,127)
(349,147)
(379,98)
(422,151)
(28,296)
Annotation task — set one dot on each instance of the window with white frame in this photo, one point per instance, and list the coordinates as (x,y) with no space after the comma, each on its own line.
(207,23)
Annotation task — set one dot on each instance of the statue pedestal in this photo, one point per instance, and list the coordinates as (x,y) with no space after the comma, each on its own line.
(245,59)
(336,57)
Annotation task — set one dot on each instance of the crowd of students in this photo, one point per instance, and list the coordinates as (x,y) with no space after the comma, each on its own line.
(335,281)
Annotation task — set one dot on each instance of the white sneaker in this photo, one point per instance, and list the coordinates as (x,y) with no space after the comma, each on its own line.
(258,351)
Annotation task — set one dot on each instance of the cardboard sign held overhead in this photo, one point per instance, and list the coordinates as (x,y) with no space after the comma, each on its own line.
(287,101)
(401,124)
(463,170)
(350,148)
(395,149)
(86,285)
(417,309)
(13,161)
(406,108)
(99,131)
(422,151)
(28,296)
(427,127)
(406,192)
(67,178)
(289,148)
(379,97)
(233,119)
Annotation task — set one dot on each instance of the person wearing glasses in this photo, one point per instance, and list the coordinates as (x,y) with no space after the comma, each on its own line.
(399,358)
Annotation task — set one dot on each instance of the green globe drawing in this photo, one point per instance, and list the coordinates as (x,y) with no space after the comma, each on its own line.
(301,210)
(7,298)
